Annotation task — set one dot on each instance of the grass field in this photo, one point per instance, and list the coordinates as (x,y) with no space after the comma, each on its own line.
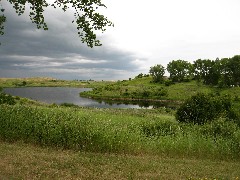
(39,141)
(48,82)
(26,161)
(143,88)
(128,131)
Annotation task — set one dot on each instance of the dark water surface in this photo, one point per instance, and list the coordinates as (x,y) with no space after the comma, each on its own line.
(61,95)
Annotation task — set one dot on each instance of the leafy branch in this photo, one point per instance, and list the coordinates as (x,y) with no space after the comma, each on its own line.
(87,19)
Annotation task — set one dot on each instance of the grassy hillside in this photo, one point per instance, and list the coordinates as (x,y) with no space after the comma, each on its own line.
(138,88)
(143,88)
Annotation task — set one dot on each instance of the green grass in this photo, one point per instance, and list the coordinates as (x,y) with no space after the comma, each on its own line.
(128,131)
(25,161)
(48,82)
(143,88)
(40,141)
(138,88)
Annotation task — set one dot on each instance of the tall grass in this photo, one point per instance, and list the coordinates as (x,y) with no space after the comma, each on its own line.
(118,131)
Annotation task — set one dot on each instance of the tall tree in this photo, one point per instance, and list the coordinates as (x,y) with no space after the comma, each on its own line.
(230,71)
(198,69)
(157,73)
(179,70)
(87,17)
(234,65)
(207,70)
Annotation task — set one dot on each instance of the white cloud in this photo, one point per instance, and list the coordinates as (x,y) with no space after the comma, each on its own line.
(155,27)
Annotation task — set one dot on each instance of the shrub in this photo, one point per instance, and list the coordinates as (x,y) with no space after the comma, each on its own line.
(234,115)
(146,93)
(160,92)
(6,99)
(202,108)
(168,82)
(68,105)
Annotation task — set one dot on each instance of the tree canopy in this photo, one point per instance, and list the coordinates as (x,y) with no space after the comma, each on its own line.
(220,72)
(157,73)
(179,69)
(87,17)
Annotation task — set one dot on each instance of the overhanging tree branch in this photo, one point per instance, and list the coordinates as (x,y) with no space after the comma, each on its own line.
(87,19)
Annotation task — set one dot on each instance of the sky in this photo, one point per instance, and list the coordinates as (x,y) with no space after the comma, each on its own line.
(145,33)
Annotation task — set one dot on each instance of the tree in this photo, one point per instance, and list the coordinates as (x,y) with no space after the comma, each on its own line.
(87,18)
(207,70)
(234,66)
(157,73)
(179,70)
(199,72)
(230,71)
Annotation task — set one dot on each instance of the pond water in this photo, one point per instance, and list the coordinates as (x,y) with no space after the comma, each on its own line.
(61,95)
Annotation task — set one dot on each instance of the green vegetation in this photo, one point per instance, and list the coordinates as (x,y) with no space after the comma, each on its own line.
(25,161)
(87,16)
(6,99)
(130,131)
(144,89)
(49,82)
(127,141)
(202,108)
(157,72)
(179,70)
(221,73)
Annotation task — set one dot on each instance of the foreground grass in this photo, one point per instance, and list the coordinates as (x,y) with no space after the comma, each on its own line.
(25,161)
(127,131)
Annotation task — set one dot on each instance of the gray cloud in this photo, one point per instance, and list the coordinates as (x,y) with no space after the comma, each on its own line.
(58,52)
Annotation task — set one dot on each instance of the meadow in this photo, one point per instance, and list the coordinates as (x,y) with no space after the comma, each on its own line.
(128,131)
(49,82)
(130,143)
(27,161)
(143,88)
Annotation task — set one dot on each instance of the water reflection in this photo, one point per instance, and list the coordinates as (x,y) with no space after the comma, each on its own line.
(142,103)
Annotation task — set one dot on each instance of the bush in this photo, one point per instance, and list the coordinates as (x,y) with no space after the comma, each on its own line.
(234,115)
(160,92)
(68,105)
(168,82)
(202,108)
(6,99)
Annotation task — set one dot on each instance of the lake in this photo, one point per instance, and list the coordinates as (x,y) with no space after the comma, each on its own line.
(61,95)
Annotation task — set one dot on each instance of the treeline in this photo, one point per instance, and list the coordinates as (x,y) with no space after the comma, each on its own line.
(221,72)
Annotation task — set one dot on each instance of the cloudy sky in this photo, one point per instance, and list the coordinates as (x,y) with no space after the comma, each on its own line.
(146,33)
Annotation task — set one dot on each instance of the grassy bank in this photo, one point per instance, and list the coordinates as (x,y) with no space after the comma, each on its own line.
(143,88)
(138,88)
(119,131)
(24,161)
